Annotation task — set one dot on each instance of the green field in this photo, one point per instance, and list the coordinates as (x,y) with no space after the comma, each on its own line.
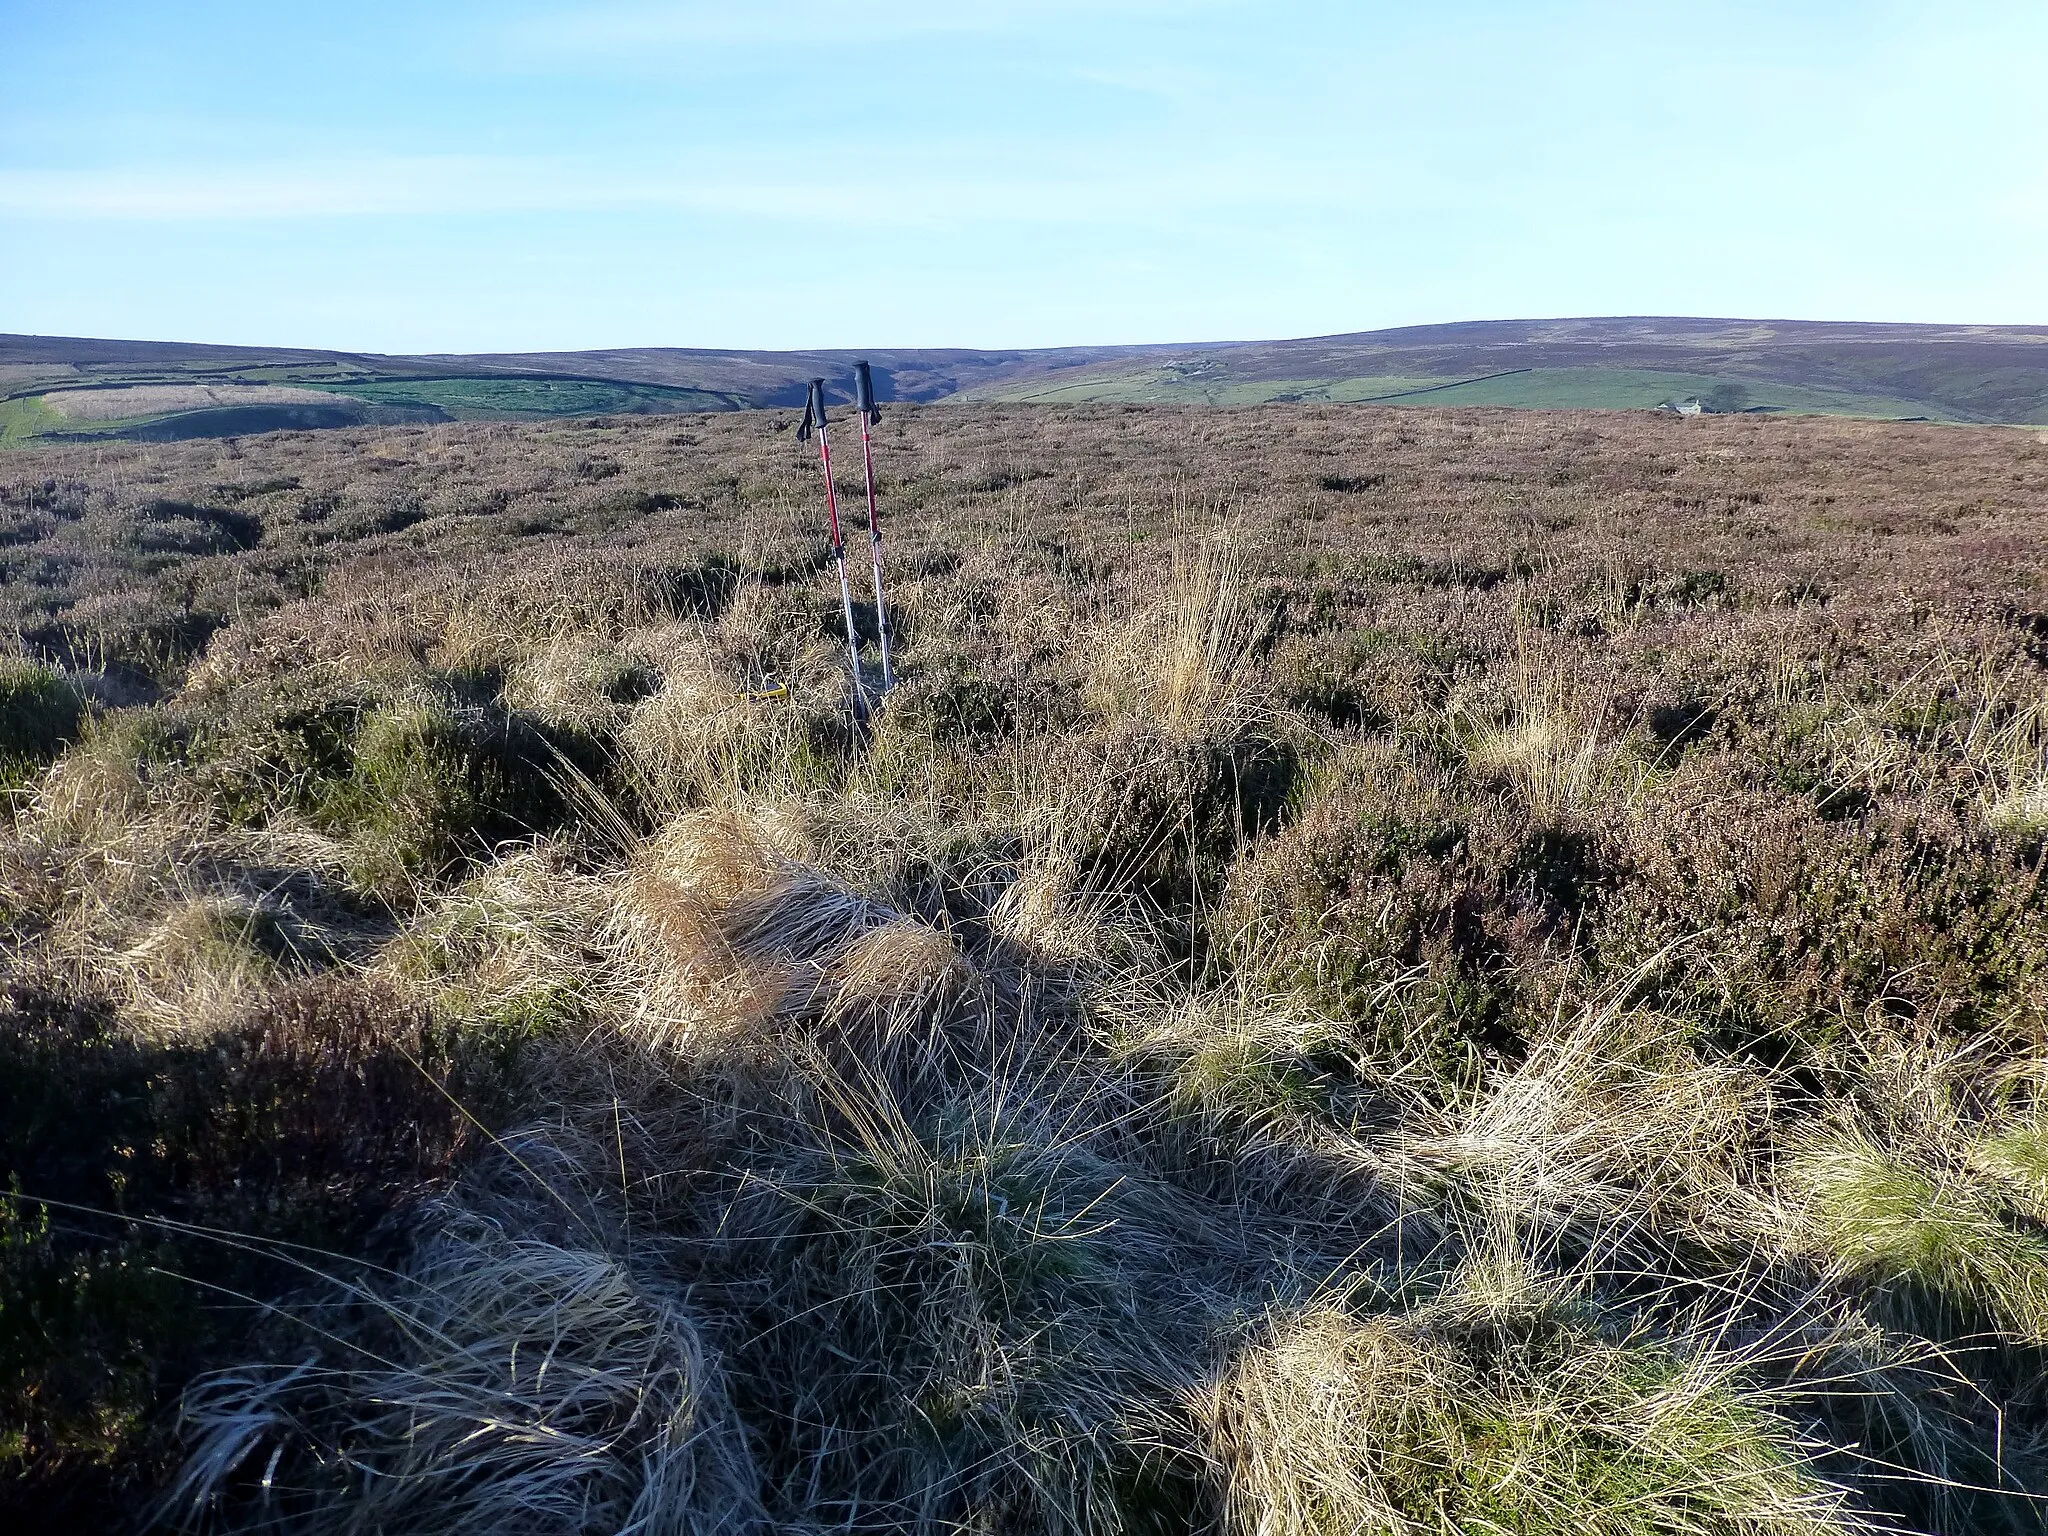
(1943,373)
(25,419)
(1624,389)
(473,399)
(1196,384)
(1600,389)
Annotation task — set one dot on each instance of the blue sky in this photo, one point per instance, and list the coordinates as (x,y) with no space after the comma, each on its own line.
(451,175)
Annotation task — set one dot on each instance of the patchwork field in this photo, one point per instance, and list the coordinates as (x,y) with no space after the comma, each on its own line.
(57,390)
(1587,388)
(138,400)
(1385,969)
(1933,372)
(1954,373)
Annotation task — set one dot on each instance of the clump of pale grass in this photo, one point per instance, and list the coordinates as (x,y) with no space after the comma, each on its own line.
(2019,806)
(1494,1408)
(867,833)
(801,915)
(698,868)
(1014,1316)
(1542,741)
(1059,903)
(1186,663)
(199,964)
(147,897)
(1555,762)
(1045,910)
(477,625)
(521,941)
(754,932)
(505,1384)
(575,681)
(478,634)
(1205,657)
(902,967)
(894,1004)
(2017,1157)
(1238,1067)
(1894,1222)
(1612,1122)
(96,789)
(757,636)
(704,739)
(670,919)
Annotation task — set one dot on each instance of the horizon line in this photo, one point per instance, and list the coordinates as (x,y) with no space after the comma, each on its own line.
(1113,346)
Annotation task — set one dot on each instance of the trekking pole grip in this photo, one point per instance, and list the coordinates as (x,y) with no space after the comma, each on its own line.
(814,412)
(864,395)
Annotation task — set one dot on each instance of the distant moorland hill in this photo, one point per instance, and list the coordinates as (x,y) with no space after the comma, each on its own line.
(71,389)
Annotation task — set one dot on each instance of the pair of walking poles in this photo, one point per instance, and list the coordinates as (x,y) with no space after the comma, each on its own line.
(814,421)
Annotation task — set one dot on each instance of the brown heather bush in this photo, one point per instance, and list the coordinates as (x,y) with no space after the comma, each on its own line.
(1384,971)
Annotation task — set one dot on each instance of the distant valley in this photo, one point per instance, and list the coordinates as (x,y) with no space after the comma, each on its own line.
(65,389)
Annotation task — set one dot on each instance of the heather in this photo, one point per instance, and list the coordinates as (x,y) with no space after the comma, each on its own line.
(1384,970)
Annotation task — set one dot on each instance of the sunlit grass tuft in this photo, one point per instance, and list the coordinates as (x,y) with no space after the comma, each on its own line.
(1885,1219)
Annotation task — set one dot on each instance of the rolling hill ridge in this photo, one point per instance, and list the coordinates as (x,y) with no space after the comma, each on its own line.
(74,389)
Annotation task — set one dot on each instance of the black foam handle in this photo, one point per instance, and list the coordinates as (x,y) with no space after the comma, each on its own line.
(814,411)
(864,393)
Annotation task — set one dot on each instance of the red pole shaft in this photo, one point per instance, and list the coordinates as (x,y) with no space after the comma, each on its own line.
(867,459)
(831,495)
(845,586)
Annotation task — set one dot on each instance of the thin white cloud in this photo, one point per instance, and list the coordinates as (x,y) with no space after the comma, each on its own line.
(394,185)
(629,30)
(934,194)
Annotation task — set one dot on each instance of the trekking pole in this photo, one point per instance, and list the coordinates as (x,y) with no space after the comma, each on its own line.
(870,413)
(814,419)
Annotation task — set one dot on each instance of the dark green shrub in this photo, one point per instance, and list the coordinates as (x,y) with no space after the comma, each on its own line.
(429,784)
(332,1103)
(264,755)
(958,708)
(139,632)
(411,803)
(1165,816)
(39,714)
(1796,925)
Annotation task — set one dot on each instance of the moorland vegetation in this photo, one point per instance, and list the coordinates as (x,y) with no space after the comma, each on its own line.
(1383,971)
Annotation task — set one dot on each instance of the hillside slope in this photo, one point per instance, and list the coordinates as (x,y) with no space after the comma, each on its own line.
(1946,373)
(61,388)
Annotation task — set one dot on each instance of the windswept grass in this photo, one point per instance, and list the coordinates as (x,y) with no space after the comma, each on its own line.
(1885,1219)
(1493,1407)
(508,1384)
(1205,635)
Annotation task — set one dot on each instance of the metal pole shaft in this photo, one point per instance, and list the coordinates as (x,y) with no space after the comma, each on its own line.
(867,456)
(839,554)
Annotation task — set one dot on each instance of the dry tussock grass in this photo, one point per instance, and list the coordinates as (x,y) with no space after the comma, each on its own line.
(514,1384)
(1612,1119)
(2016,802)
(1205,638)
(1464,1414)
